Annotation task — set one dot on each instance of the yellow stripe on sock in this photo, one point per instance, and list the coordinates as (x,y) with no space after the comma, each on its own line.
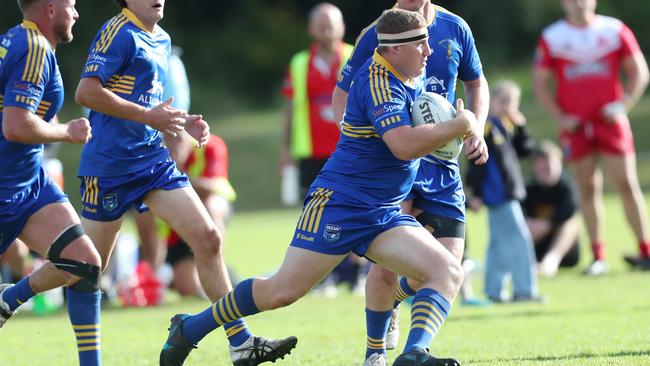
(422,326)
(435,310)
(89,348)
(216,316)
(82,327)
(234,304)
(427,320)
(232,331)
(86,334)
(88,341)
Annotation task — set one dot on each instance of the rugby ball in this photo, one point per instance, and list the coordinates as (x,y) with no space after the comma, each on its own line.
(430,107)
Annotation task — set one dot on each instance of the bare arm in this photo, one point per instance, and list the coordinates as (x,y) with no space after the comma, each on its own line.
(478,96)
(339,102)
(407,142)
(542,79)
(22,126)
(92,94)
(635,69)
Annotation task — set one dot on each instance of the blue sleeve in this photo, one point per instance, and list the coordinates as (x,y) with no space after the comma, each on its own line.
(470,67)
(387,108)
(108,57)
(363,50)
(29,71)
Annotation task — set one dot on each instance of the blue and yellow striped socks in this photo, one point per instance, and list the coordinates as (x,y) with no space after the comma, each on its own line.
(18,294)
(237,332)
(404,291)
(84,312)
(428,312)
(237,304)
(377,323)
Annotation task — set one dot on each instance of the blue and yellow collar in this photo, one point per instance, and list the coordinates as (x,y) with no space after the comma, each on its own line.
(379,59)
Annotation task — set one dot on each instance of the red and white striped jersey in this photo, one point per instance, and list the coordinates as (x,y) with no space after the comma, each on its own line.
(586,62)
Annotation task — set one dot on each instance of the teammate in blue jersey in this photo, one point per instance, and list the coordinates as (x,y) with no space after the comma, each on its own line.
(32,207)
(125,165)
(353,205)
(437,199)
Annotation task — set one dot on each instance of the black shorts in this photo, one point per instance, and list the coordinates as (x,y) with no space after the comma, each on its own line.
(309,169)
(571,258)
(178,252)
(442,227)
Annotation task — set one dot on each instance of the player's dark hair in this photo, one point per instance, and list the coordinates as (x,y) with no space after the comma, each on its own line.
(395,21)
(121,3)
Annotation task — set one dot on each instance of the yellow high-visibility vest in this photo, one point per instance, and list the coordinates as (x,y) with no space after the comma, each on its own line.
(300,127)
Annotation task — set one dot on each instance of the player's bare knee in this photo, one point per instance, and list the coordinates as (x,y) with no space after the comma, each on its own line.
(209,243)
(385,277)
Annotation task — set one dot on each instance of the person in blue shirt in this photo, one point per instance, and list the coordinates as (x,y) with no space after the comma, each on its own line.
(32,208)
(437,199)
(354,203)
(125,165)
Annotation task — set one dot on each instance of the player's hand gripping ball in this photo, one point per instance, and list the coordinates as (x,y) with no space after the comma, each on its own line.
(430,107)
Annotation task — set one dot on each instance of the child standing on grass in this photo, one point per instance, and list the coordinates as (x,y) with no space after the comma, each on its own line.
(499,185)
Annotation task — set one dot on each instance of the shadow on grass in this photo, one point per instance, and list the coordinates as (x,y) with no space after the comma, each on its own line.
(509,315)
(579,356)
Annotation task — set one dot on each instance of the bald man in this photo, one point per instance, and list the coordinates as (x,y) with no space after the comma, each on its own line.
(310,133)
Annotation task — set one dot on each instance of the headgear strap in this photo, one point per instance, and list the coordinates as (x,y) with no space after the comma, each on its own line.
(399,39)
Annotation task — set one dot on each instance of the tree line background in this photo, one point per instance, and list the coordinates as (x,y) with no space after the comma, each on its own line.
(236,52)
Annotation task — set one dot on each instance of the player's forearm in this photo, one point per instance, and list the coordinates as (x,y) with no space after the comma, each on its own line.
(91,94)
(424,139)
(22,126)
(478,95)
(339,102)
(543,93)
(636,84)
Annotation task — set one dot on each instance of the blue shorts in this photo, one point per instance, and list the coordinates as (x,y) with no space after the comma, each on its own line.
(336,224)
(16,209)
(438,190)
(108,198)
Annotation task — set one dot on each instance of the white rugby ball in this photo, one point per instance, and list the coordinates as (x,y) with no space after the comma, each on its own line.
(430,107)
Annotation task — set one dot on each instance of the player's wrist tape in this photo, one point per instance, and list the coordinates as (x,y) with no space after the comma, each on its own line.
(399,39)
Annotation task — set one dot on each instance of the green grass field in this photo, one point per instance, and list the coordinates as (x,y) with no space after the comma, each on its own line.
(588,321)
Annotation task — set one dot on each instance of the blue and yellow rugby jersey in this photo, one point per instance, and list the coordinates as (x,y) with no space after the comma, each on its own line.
(453,56)
(29,79)
(132,63)
(363,167)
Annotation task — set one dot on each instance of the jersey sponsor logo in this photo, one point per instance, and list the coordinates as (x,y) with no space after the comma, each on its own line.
(94,57)
(156,86)
(109,202)
(305,237)
(450,46)
(3,52)
(436,85)
(387,109)
(332,233)
(26,88)
(573,72)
